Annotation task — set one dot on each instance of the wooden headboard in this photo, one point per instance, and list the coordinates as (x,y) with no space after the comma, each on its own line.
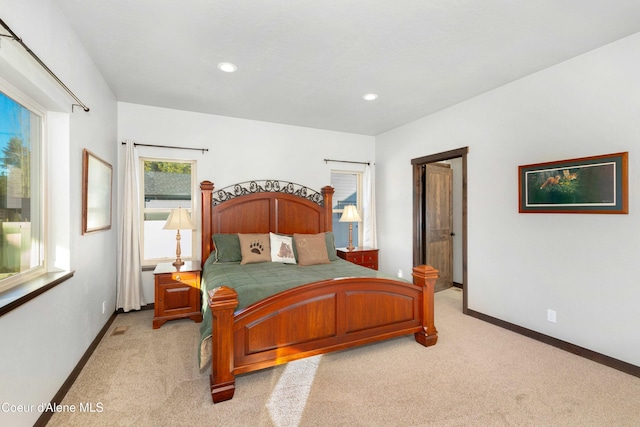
(285,211)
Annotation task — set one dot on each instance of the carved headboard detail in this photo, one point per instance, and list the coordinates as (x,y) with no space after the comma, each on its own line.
(263,207)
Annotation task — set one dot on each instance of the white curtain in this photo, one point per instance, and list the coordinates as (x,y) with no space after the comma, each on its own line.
(129,289)
(369,237)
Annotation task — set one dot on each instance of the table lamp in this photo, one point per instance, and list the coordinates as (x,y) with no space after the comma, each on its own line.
(178,220)
(350,215)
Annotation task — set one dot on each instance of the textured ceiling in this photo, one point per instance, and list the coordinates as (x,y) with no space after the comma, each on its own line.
(309,62)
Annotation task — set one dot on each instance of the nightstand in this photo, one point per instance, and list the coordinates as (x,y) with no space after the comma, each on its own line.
(364,256)
(177,293)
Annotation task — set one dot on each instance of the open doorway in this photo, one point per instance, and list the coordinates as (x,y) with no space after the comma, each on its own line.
(436,236)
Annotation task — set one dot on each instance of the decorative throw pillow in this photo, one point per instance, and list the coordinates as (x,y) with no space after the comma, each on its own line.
(227,248)
(254,248)
(281,248)
(331,246)
(311,248)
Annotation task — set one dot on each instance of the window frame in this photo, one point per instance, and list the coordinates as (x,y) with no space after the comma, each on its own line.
(150,262)
(40,198)
(359,196)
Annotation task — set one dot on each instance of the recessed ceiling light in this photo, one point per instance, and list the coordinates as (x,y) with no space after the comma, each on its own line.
(370,96)
(227,67)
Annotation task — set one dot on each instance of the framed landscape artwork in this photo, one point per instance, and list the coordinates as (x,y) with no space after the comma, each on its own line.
(96,193)
(595,184)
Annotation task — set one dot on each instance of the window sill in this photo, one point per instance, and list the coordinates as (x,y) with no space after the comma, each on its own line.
(25,292)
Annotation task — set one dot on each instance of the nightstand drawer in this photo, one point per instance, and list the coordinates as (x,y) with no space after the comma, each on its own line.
(370,258)
(354,257)
(188,278)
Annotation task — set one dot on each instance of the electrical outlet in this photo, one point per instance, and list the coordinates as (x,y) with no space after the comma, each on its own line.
(551,315)
(400,274)
(104,307)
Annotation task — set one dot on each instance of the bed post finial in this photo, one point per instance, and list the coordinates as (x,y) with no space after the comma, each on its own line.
(206,192)
(426,276)
(327,196)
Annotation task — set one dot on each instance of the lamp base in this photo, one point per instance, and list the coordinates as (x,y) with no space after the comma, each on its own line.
(178,262)
(350,247)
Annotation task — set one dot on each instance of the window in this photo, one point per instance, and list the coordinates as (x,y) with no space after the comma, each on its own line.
(21,170)
(348,191)
(167,184)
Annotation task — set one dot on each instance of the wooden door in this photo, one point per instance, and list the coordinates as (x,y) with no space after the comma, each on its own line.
(438,215)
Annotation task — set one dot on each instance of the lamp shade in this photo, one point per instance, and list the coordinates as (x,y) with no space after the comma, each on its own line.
(178,220)
(350,214)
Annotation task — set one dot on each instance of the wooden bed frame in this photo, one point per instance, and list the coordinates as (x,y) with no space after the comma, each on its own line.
(311,319)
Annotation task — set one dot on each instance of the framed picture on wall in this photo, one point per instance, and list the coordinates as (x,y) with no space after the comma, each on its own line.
(597,185)
(97,178)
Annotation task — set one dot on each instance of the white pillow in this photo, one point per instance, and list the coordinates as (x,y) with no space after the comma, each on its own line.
(282,249)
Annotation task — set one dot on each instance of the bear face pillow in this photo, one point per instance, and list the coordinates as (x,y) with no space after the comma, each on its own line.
(282,248)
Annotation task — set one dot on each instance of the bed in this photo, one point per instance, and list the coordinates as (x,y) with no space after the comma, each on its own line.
(345,309)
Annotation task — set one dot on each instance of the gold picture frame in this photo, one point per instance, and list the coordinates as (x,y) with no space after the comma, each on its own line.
(97,177)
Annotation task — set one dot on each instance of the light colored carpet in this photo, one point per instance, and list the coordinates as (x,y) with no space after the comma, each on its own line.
(476,375)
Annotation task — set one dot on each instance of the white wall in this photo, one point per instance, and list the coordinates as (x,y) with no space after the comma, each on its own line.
(239,150)
(583,266)
(43,340)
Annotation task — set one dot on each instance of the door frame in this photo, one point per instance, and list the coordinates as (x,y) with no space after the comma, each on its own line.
(419,231)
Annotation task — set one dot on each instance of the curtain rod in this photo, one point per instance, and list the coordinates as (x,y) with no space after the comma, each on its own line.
(15,37)
(135,144)
(347,161)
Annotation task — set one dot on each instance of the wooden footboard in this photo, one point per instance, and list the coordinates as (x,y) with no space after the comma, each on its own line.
(314,319)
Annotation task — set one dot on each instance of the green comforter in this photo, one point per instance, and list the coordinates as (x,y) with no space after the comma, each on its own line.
(254,282)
